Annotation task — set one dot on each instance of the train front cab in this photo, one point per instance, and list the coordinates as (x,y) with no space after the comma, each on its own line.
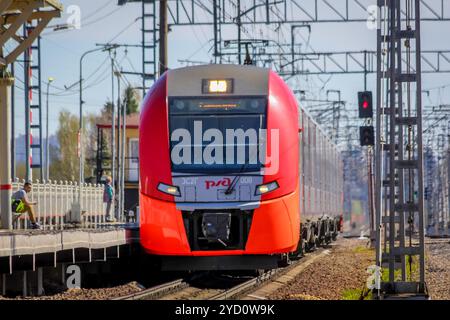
(255,230)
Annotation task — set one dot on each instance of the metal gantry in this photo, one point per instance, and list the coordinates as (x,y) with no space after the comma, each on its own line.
(399,151)
(338,62)
(33,106)
(199,12)
(149,41)
(220,13)
(149,44)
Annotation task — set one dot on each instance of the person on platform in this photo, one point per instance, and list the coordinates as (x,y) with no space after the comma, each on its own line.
(108,197)
(21,205)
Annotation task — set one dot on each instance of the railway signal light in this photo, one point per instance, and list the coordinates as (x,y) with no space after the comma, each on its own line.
(365,104)
(367,136)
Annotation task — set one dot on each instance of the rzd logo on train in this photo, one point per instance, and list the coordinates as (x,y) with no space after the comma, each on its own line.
(225,182)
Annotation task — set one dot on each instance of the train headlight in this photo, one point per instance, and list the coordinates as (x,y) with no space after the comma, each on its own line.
(266,188)
(217,86)
(168,189)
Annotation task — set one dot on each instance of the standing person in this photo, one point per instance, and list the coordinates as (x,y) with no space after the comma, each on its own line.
(108,197)
(21,205)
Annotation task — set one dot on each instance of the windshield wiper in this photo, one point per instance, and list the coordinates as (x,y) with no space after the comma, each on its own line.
(232,186)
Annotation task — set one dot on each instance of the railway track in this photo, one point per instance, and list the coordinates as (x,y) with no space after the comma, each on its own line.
(157,291)
(208,286)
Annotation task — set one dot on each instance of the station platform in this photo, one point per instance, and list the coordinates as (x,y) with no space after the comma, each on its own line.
(31,249)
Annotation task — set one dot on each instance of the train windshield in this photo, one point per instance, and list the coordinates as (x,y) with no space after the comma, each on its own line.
(217,135)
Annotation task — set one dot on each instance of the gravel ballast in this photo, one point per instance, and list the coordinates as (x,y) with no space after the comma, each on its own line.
(328,278)
(438,268)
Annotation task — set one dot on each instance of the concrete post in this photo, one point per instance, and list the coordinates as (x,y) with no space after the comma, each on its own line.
(4,284)
(6,82)
(63,273)
(25,284)
(40,278)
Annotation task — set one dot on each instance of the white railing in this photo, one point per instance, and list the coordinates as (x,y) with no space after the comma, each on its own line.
(55,202)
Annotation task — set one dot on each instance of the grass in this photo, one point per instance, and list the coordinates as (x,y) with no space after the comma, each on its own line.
(398,272)
(356,294)
(365,294)
(362,249)
(361,293)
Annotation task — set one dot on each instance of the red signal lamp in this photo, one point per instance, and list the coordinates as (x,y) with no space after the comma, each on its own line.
(365,104)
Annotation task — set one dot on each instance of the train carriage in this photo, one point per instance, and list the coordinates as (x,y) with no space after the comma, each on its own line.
(233,174)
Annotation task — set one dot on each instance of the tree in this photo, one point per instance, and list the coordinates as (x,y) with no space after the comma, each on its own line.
(131,99)
(106,113)
(65,161)
(91,147)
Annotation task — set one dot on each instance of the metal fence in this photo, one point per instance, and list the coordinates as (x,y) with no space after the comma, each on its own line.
(55,210)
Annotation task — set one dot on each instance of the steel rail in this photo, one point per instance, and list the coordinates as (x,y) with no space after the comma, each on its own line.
(232,293)
(247,286)
(157,291)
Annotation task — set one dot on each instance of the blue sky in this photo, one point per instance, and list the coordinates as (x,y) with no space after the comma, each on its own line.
(103,20)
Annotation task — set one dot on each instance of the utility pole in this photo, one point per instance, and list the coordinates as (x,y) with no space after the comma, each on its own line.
(124,148)
(113,133)
(216,29)
(365,70)
(47,144)
(163,30)
(371,200)
(336,113)
(13,128)
(119,148)
(238,21)
(81,122)
(293,43)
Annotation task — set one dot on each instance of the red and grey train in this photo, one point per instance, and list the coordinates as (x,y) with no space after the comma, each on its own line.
(205,204)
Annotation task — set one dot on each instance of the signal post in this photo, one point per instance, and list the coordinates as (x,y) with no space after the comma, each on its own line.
(367,138)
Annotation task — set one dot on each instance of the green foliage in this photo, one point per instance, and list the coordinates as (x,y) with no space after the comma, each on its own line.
(398,272)
(64,160)
(362,249)
(107,110)
(356,294)
(131,99)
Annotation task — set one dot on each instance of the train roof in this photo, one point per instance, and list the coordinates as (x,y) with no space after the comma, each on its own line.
(247,80)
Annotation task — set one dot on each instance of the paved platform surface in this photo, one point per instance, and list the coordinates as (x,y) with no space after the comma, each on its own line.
(31,242)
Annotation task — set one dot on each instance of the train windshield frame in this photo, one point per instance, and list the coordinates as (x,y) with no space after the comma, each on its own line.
(219,113)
